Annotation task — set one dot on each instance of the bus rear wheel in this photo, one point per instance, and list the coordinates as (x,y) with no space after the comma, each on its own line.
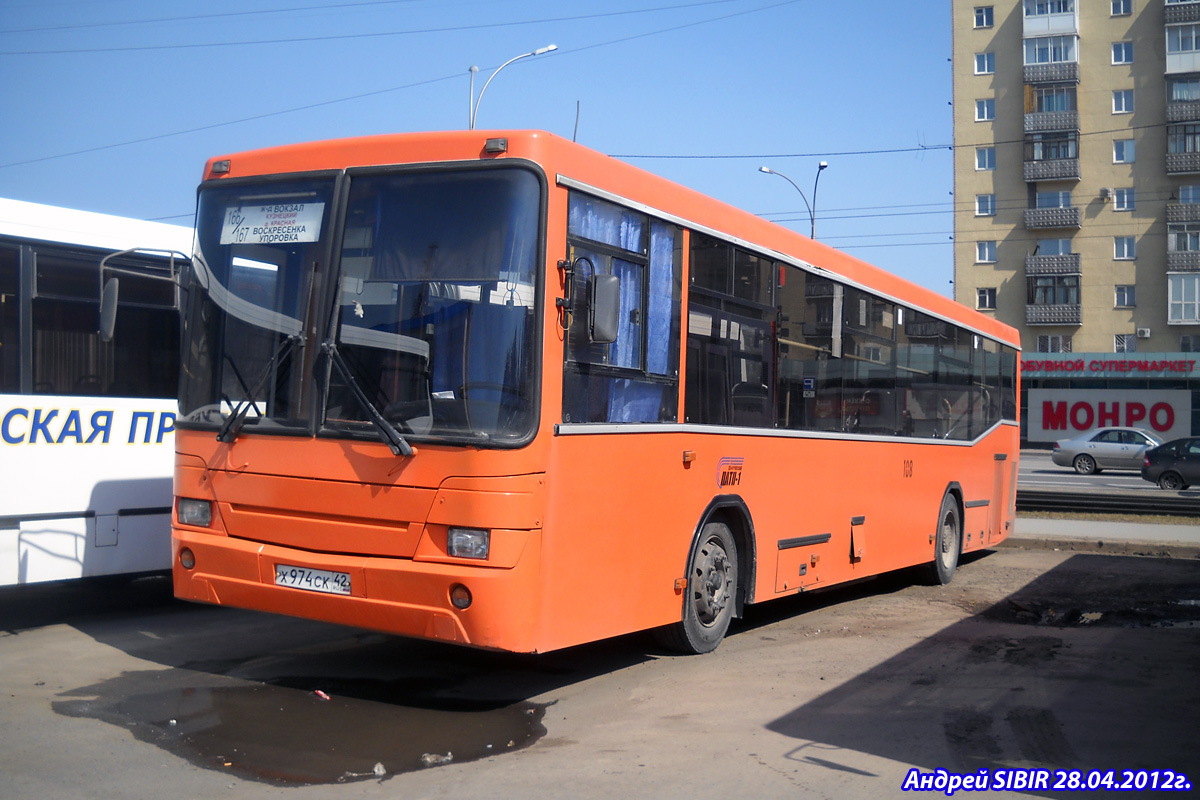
(947,543)
(709,595)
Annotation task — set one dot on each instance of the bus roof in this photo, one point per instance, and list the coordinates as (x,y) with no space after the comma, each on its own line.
(577,165)
(43,223)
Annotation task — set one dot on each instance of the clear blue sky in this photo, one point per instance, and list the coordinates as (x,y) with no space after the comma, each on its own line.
(114,105)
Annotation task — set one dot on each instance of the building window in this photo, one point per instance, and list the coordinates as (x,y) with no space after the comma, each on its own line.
(1053,200)
(1041,8)
(1053,97)
(1053,247)
(1183,38)
(1124,248)
(985,205)
(1189,194)
(1123,200)
(1183,237)
(985,298)
(1183,299)
(983,17)
(1126,296)
(1050,50)
(1125,343)
(1183,90)
(1122,101)
(985,252)
(1054,343)
(985,110)
(1122,53)
(985,158)
(985,63)
(1189,343)
(1123,151)
(1183,138)
(1053,290)
(1122,8)
(1051,146)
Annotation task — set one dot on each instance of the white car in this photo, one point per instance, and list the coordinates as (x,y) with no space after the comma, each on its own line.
(1104,448)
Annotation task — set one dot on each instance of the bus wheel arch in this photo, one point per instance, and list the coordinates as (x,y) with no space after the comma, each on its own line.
(722,545)
(947,537)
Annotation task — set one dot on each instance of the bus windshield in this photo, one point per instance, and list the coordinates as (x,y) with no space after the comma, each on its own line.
(427,320)
(258,247)
(436,303)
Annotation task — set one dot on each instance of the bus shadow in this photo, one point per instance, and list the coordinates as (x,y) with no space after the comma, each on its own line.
(1068,673)
(128,532)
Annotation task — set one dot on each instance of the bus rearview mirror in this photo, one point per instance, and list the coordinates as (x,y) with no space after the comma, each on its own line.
(108,308)
(604,308)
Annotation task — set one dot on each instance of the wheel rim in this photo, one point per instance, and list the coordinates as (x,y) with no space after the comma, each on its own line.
(1170,482)
(948,552)
(712,580)
(1085,465)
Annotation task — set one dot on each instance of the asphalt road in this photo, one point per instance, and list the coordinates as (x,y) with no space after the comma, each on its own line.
(1030,658)
(1038,472)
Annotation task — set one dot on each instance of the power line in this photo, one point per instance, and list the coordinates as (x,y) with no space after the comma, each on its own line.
(373,34)
(310,106)
(197,17)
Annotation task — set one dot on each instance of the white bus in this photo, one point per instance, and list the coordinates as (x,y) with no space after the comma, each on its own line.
(86,426)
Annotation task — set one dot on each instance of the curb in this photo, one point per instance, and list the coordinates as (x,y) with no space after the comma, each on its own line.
(1112,547)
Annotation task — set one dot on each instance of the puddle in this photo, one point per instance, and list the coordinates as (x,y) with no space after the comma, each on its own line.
(286,732)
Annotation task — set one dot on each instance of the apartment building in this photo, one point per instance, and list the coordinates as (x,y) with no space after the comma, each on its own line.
(1077,202)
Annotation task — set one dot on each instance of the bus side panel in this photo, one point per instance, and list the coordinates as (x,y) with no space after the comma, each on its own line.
(623,510)
(86,486)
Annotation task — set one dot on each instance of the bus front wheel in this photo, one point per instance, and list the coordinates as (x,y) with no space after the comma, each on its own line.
(709,595)
(947,542)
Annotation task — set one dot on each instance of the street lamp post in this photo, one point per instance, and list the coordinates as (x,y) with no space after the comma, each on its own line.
(476,100)
(812,209)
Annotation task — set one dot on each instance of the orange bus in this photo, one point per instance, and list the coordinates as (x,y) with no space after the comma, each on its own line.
(498,389)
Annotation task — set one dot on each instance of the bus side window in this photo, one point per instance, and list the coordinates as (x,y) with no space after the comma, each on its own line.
(633,378)
(10,354)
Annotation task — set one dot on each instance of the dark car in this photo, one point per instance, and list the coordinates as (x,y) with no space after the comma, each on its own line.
(1174,465)
(1104,448)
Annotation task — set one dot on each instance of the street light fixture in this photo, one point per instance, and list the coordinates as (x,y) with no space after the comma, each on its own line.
(812,214)
(476,100)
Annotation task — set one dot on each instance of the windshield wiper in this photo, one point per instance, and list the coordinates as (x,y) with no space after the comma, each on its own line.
(234,424)
(387,431)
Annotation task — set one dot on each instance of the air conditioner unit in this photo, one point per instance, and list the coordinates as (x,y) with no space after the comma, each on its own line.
(1106,194)
(1143,333)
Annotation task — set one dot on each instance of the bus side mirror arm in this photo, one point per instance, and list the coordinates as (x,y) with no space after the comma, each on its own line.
(110,288)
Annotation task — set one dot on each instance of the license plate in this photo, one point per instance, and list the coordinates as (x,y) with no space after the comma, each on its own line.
(313,580)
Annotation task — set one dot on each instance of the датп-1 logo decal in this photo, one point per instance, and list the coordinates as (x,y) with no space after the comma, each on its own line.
(729,472)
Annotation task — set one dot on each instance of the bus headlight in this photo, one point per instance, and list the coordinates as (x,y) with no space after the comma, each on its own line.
(468,543)
(194,512)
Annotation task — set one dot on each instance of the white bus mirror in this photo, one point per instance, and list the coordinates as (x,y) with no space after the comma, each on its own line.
(108,308)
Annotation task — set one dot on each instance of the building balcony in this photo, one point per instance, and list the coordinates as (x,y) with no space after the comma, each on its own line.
(1050,24)
(1183,212)
(1037,219)
(1049,121)
(1178,13)
(1183,261)
(1052,73)
(1053,315)
(1068,264)
(1182,163)
(1055,169)
(1176,112)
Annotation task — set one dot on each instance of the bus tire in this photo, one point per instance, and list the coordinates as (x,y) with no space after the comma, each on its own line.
(947,542)
(710,593)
